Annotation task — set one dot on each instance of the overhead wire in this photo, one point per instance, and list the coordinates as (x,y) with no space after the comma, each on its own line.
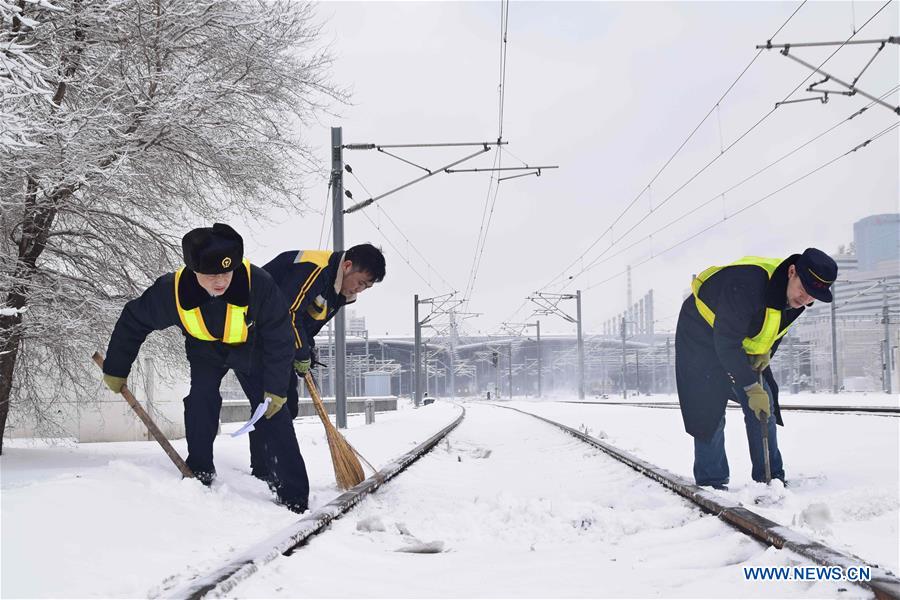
(487,228)
(752,204)
(504,18)
(397,250)
(487,214)
(484,212)
(325,214)
(408,241)
(602,258)
(678,150)
(718,156)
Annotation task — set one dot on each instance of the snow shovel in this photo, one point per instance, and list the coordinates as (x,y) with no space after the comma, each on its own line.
(764,424)
(151,426)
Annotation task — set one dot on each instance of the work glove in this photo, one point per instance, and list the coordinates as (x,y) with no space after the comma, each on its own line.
(758,400)
(302,366)
(114,383)
(275,404)
(759,362)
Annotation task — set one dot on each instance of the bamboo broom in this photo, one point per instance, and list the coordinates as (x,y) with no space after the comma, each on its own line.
(348,472)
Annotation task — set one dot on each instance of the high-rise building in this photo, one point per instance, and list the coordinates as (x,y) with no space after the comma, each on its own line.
(877,240)
(867,293)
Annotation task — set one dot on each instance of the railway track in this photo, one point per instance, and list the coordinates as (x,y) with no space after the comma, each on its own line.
(885,411)
(883,584)
(218,582)
(237,571)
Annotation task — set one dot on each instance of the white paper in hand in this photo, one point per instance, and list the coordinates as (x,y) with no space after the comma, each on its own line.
(257,415)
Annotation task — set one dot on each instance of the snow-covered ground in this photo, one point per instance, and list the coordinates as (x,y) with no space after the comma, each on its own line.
(521,509)
(524,510)
(116,519)
(843,470)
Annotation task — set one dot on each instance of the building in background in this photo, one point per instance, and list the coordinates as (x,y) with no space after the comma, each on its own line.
(877,240)
(866,313)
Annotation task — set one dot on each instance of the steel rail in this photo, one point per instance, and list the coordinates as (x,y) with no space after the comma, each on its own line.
(884,584)
(886,411)
(219,582)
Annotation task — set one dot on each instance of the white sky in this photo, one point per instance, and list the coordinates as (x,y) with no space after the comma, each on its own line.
(608,91)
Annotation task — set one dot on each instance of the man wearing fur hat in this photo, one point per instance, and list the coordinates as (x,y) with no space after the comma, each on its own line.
(233,316)
(727,332)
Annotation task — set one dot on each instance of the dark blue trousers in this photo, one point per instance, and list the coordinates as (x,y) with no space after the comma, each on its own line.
(710,462)
(275,437)
(259,466)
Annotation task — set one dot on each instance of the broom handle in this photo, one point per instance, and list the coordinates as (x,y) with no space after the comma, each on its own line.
(317,400)
(151,426)
(323,414)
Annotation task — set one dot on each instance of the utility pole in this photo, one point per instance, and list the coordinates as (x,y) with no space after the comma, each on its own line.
(538,325)
(510,372)
(604,373)
(580,347)
(887,342)
(496,355)
(452,369)
(835,384)
(340,323)
(624,362)
(417,357)
(548,304)
(668,366)
(637,370)
(330,359)
(792,355)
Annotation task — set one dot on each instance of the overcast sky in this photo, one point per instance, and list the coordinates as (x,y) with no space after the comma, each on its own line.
(607,91)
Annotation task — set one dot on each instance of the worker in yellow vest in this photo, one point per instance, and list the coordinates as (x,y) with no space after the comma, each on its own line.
(316,284)
(232,316)
(728,330)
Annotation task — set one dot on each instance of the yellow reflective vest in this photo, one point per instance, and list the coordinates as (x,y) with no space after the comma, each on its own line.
(771,330)
(235,330)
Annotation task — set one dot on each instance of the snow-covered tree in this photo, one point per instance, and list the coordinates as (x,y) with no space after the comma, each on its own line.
(21,76)
(156,116)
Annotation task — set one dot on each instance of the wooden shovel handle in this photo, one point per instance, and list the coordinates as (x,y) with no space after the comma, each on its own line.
(151,426)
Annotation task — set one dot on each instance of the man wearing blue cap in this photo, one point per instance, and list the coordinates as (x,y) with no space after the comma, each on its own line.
(227,324)
(727,332)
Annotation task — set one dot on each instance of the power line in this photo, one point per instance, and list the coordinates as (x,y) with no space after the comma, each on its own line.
(483,229)
(484,212)
(599,259)
(752,204)
(722,153)
(406,260)
(325,214)
(408,241)
(504,28)
(677,151)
